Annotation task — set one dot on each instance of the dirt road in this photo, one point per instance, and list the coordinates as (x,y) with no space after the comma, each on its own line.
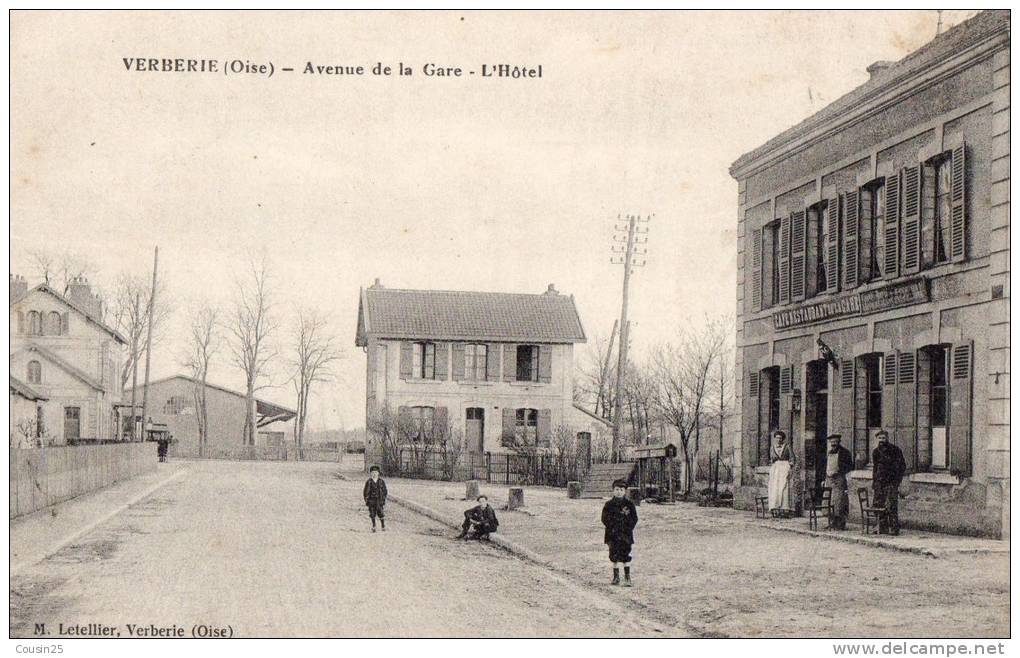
(285,550)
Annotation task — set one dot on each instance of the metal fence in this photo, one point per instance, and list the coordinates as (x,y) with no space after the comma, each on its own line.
(256,453)
(495,468)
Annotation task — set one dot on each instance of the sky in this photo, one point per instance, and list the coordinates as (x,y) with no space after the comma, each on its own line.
(453,183)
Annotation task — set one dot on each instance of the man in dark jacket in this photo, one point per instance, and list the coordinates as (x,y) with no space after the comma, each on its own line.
(375,497)
(838,464)
(480,520)
(888,468)
(619,516)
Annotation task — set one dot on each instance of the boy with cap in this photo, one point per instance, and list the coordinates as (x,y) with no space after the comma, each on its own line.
(375,497)
(619,516)
(480,520)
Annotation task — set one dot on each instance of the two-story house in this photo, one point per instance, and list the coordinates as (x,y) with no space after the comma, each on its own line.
(71,360)
(873,282)
(495,368)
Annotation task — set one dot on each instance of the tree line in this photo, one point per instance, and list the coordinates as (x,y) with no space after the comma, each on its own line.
(269,344)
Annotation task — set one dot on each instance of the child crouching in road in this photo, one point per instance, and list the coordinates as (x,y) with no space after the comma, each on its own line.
(480,520)
(619,516)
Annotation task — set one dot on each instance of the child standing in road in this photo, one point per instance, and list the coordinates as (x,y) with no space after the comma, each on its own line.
(619,516)
(375,497)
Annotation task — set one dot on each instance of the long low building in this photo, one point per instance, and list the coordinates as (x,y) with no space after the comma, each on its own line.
(173,402)
(873,282)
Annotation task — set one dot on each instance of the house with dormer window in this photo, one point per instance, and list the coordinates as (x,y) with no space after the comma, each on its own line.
(496,368)
(69,358)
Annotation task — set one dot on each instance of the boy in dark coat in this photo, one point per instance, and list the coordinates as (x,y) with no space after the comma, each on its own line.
(480,520)
(619,515)
(375,497)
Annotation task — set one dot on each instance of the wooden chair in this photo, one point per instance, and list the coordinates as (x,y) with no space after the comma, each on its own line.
(819,503)
(761,506)
(870,515)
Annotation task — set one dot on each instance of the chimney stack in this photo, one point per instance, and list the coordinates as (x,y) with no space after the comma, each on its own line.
(18,286)
(377,284)
(79,293)
(878,68)
(551,290)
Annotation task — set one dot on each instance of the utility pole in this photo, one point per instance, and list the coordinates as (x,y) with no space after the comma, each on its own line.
(938,27)
(148,344)
(603,384)
(134,372)
(633,238)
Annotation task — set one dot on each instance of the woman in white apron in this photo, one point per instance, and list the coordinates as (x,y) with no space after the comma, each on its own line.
(780,476)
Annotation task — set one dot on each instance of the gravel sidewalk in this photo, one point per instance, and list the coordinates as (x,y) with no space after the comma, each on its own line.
(723,572)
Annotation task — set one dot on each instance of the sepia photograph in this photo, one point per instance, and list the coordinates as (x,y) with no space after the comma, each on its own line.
(469,324)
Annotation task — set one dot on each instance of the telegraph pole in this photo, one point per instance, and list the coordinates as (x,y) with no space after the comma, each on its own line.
(633,237)
(148,344)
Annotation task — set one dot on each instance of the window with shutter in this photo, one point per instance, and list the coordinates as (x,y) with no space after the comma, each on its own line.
(784,260)
(544,363)
(509,425)
(786,379)
(756,270)
(851,240)
(458,361)
(832,246)
(866,233)
(930,232)
(889,391)
(846,373)
(891,227)
(911,220)
(442,363)
(960,410)
(798,255)
(406,360)
(752,384)
(904,434)
(492,362)
(544,428)
(509,362)
(959,211)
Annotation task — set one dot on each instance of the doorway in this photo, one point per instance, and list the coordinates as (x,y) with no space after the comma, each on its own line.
(474,430)
(817,420)
(72,424)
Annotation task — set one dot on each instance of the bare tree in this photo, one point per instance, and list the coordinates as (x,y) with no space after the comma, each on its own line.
(128,313)
(682,377)
(315,350)
(596,376)
(252,325)
(58,270)
(204,341)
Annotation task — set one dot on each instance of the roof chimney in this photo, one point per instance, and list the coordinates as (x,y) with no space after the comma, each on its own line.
(18,286)
(551,290)
(878,67)
(377,284)
(79,293)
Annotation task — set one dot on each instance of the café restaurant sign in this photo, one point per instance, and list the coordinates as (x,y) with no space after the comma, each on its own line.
(887,297)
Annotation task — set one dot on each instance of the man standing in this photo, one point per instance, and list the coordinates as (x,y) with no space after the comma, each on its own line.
(375,497)
(888,468)
(838,464)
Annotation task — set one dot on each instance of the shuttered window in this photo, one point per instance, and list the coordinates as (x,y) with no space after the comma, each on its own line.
(960,390)
(942,208)
(851,240)
(832,246)
(526,427)
(423,361)
(891,227)
(756,245)
(959,205)
(475,361)
(798,255)
(784,260)
(527,363)
(911,242)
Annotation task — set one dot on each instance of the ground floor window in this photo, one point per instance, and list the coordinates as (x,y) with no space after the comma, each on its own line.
(938,406)
(422,420)
(526,427)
